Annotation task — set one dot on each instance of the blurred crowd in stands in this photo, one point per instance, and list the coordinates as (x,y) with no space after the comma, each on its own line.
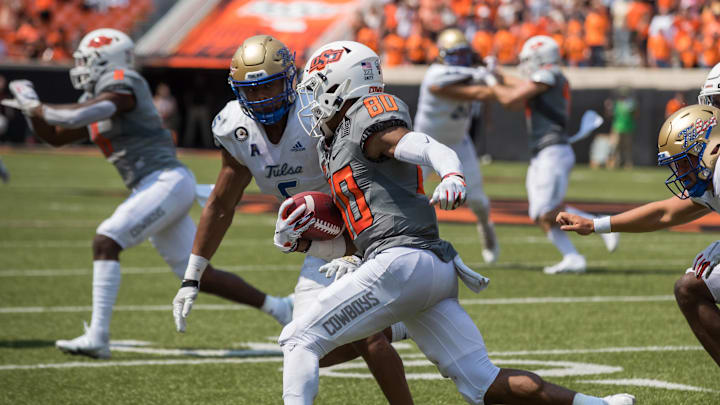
(49,30)
(662,33)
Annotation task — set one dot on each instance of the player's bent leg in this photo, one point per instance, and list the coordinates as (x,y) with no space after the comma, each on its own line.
(386,366)
(523,387)
(348,352)
(698,305)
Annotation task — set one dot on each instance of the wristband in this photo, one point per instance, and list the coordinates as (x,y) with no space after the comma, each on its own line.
(195,267)
(490,80)
(190,283)
(602,224)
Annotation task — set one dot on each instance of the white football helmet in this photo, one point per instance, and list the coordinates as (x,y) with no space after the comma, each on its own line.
(100,51)
(538,52)
(334,73)
(711,88)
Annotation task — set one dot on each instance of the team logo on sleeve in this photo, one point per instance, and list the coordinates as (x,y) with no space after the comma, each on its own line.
(241,134)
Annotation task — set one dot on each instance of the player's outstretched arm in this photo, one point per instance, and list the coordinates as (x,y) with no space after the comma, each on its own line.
(650,217)
(420,149)
(464,91)
(513,96)
(216,218)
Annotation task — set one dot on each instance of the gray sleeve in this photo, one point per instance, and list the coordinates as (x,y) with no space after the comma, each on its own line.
(365,125)
(544,77)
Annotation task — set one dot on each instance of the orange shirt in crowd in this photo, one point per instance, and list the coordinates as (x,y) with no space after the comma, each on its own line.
(415,47)
(686,47)
(505,45)
(709,55)
(575,50)
(574,27)
(394,48)
(527,29)
(672,106)
(368,37)
(658,48)
(636,11)
(665,4)
(461,7)
(389,11)
(596,27)
(482,43)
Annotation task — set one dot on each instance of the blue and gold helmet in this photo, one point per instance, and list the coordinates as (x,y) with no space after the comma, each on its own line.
(689,144)
(454,49)
(262,61)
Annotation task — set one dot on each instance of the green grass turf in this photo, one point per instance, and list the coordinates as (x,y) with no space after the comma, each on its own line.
(49,212)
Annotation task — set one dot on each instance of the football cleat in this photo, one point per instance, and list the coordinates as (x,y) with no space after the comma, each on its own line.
(491,251)
(86,345)
(619,399)
(611,240)
(571,263)
(283,311)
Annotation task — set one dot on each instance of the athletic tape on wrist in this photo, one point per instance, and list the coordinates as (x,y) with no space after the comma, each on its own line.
(602,224)
(195,268)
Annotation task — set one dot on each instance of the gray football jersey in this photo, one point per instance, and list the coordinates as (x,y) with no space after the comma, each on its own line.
(547,114)
(134,141)
(382,201)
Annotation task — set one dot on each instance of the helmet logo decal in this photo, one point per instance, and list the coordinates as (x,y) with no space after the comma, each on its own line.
(100,41)
(284,54)
(322,60)
(367,70)
(691,133)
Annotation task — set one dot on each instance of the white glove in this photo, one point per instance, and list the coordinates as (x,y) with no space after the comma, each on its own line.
(183,302)
(491,63)
(340,266)
(706,261)
(25,96)
(288,230)
(450,193)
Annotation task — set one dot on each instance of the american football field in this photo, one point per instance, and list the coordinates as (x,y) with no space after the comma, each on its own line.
(614,329)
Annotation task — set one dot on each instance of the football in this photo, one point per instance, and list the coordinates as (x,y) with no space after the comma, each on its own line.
(328,220)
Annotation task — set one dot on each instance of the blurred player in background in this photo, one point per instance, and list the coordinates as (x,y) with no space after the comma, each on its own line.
(689,145)
(545,96)
(444,111)
(261,136)
(370,157)
(117,113)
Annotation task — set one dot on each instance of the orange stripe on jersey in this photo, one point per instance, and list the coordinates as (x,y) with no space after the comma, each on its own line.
(103,143)
(118,74)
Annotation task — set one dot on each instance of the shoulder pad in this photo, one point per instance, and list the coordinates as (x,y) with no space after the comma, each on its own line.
(378,107)
(543,76)
(229,118)
(116,79)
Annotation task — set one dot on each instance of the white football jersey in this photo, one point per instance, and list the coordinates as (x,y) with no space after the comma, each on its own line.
(711,198)
(446,120)
(283,170)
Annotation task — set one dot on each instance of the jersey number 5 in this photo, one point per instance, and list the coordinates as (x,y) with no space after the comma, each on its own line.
(351,201)
(377,105)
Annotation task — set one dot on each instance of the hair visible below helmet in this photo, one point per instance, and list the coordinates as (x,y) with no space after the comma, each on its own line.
(100,51)
(538,52)
(711,88)
(691,131)
(261,60)
(453,48)
(336,72)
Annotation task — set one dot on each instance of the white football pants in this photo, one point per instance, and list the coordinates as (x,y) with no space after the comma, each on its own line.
(547,179)
(400,284)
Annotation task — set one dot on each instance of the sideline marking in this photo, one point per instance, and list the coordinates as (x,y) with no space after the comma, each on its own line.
(236,307)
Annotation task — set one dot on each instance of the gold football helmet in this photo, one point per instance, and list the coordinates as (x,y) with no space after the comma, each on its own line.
(260,61)
(688,143)
(454,48)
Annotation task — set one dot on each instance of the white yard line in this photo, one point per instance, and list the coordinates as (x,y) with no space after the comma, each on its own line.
(642,382)
(235,307)
(139,270)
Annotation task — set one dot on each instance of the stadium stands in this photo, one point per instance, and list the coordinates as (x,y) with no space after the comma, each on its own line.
(49,30)
(664,33)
